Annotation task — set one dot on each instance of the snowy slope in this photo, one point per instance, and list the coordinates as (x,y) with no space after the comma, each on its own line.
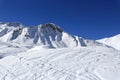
(62,64)
(112,41)
(10,49)
(46,52)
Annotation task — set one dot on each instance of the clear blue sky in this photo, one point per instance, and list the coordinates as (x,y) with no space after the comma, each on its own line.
(92,19)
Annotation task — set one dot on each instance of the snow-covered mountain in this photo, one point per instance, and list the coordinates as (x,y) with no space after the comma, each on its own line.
(15,38)
(49,35)
(46,52)
(112,41)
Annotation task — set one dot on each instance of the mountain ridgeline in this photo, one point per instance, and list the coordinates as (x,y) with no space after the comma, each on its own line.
(49,35)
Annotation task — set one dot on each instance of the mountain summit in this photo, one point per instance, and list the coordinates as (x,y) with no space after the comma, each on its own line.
(47,35)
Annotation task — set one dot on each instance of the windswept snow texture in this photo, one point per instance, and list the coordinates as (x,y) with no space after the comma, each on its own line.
(112,41)
(46,52)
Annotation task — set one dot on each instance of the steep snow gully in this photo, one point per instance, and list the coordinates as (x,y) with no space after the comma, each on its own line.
(46,52)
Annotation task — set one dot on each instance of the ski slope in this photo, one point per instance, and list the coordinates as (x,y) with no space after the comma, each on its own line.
(82,63)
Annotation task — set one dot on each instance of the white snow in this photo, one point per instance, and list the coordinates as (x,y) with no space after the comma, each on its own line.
(62,64)
(43,35)
(112,41)
(46,52)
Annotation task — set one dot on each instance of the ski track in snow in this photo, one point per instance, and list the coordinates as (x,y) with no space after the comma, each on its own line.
(60,64)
